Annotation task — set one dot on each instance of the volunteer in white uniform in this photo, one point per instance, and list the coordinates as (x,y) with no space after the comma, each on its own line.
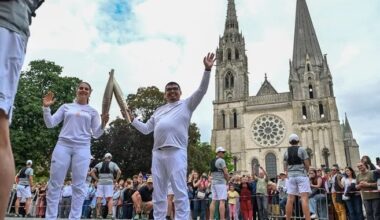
(80,122)
(170,124)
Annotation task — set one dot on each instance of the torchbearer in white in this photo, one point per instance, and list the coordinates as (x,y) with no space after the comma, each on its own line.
(170,124)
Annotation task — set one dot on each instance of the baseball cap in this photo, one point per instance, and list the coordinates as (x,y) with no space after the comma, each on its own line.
(282,173)
(293,137)
(29,162)
(220,149)
(108,155)
(150,180)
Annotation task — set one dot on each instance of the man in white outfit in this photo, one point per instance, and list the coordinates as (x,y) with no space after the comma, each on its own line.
(170,124)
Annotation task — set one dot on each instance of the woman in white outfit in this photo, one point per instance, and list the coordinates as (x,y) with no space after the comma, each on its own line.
(80,122)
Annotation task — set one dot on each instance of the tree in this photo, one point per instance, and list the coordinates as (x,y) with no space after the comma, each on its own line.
(30,137)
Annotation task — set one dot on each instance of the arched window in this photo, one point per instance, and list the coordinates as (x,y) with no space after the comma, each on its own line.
(229,54)
(271,165)
(331,89)
(236,54)
(221,55)
(321,111)
(311,92)
(229,81)
(304,112)
(308,67)
(255,166)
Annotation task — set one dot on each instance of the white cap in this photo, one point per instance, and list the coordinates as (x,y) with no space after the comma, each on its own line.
(108,155)
(29,162)
(294,137)
(220,149)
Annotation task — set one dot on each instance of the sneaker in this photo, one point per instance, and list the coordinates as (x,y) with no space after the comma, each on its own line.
(28,215)
(109,216)
(313,216)
(137,216)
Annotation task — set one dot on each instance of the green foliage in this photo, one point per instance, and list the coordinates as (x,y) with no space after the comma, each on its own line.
(30,137)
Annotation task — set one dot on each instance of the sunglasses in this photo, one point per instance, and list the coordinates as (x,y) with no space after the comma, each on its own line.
(171,89)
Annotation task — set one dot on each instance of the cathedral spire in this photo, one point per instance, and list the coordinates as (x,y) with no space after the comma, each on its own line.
(305,38)
(347,126)
(231,25)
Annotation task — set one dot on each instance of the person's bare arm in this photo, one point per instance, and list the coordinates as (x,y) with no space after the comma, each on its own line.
(225,172)
(93,175)
(307,165)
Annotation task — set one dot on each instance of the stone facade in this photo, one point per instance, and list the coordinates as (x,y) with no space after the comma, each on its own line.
(255,129)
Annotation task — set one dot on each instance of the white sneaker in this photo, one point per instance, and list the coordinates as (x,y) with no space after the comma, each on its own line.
(314,216)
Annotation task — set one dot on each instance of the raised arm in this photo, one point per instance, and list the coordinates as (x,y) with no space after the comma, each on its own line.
(51,120)
(197,96)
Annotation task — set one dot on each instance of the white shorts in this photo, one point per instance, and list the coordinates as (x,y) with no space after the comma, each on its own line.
(104,191)
(297,185)
(23,191)
(219,192)
(12,53)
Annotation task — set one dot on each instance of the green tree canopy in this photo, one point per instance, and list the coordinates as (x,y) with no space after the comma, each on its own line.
(30,137)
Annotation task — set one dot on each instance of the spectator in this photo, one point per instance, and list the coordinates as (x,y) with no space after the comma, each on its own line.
(91,191)
(281,188)
(65,203)
(233,195)
(317,198)
(142,199)
(262,192)
(337,192)
(296,164)
(368,163)
(41,201)
(24,180)
(351,197)
(245,199)
(126,198)
(106,171)
(220,177)
(366,180)
(200,202)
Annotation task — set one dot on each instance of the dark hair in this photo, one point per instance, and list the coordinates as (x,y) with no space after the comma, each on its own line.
(172,83)
(368,163)
(352,172)
(293,142)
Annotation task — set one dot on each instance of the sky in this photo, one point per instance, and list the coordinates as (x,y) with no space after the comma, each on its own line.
(152,42)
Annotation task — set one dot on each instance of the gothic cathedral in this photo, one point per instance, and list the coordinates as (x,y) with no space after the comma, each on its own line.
(255,129)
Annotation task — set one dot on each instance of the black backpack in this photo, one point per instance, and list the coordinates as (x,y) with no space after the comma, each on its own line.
(293,158)
(22,173)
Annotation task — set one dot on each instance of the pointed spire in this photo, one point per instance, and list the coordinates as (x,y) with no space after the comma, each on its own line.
(347,126)
(231,19)
(305,38)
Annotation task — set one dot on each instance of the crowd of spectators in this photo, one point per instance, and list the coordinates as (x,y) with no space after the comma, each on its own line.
(337,193)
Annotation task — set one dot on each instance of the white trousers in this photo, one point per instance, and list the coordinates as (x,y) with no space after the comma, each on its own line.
(63,157)
(170,164)
(12,53)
